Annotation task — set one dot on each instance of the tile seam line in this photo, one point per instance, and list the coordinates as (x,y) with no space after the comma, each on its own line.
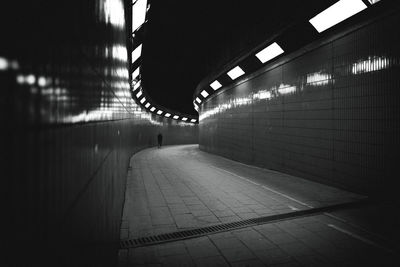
(265,187)
(358,237)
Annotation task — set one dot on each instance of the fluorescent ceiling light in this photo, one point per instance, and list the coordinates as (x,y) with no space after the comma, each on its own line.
(136,53)
(336,13)
(147,105)
(204,93)
(143,99)
(176,117)
(184,119)
(195,106)
(198,100)
(139,94)
(135,73)
(136,86)
(152,109)
(138,14)
(215,85)
(159,112)
(193,120)
(167,115)
(268,53)
(373,1)
(235,72)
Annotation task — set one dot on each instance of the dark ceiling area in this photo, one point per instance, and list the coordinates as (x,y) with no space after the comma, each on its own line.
(187,40)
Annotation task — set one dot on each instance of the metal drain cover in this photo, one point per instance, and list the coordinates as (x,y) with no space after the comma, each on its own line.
(192,233)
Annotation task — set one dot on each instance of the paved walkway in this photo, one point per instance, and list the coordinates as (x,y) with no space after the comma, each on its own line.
(180,187)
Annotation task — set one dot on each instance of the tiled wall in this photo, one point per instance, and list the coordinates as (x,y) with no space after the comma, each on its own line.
(331,114)
(70,128)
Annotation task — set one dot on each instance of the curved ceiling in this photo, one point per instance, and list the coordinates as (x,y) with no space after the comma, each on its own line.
(186,40)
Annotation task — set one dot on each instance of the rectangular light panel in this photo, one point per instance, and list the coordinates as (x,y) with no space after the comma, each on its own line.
(176,117)
(167,115)
(215,85)
(184,119)
(268,53)
(139,94)
(193,120)
(138,14)
(135,73)
(336,13)
(235,72)
(373,1)
(136,53)
(143,100)
(159,112)
(198,100)
(147,105)
(204,93)
(136,86)
(152,109)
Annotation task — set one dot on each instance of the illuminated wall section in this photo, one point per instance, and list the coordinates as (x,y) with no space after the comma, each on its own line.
(70,127)
(330,114)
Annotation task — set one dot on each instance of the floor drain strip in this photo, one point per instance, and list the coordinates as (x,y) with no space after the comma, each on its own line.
(193,233)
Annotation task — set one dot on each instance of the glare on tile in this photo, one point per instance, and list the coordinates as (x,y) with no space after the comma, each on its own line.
(215,85)
(336,13)
(30,79)
(268,53)
(20,79)
(3,63)
(235,72)
(42,81)
(113,13)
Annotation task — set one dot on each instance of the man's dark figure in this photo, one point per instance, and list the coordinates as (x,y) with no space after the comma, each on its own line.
(159,139)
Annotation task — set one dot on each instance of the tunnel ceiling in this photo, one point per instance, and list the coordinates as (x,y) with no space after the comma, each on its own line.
(186,40)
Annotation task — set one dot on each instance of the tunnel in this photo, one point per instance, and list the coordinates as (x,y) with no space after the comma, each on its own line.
(200,133)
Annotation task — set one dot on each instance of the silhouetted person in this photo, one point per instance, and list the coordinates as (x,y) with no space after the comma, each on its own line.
(159,139)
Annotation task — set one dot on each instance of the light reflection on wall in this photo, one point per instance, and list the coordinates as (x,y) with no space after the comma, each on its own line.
(112,12)
(373,63)
(274,92)
(6,64)
(315,79)
(318,78)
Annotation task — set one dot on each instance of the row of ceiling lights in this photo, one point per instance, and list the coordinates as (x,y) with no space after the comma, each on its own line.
(139,10)
(331,16)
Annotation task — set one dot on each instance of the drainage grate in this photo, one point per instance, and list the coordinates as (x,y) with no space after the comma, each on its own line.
(192,233)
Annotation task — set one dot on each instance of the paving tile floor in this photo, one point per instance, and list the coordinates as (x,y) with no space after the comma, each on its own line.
(180,187)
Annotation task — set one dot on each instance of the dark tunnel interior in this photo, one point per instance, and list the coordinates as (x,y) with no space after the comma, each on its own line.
(291,163)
